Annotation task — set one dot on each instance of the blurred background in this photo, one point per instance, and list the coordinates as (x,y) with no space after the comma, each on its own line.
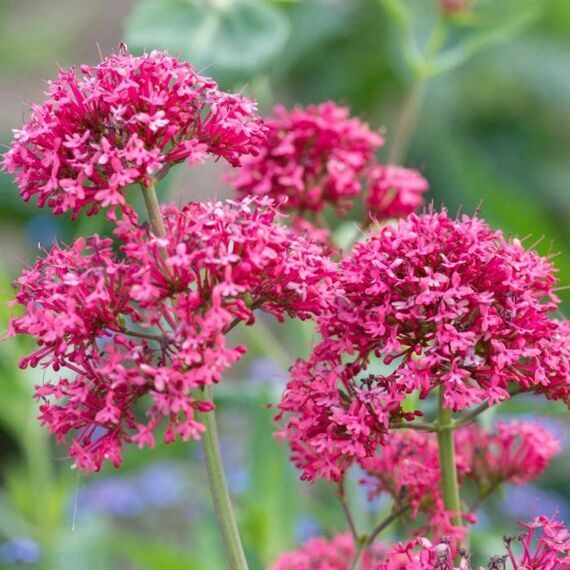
(474,93)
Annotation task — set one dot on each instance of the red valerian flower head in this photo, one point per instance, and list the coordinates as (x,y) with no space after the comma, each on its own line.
(149,322)
(333,417)
(334,554)
(550,550)
(394,191)
(407,467)
(544,545)
(312,158)
(440,302)
(450,302)
(515,452)
(125,121)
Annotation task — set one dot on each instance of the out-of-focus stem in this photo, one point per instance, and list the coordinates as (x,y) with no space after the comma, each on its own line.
(217,479)
(447,465)
(220,493)
(406,123)
(347,513)
(385,524)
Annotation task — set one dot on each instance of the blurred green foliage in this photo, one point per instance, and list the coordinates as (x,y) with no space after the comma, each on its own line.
(491,129)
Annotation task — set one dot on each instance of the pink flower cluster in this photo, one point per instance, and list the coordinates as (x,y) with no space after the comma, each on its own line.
(407,467)
(544,545)
(440,302)
(150,321)
(312,157)
(515,452)
(550,550)
(394,191)
(318,157)
(125,121)
(334,554)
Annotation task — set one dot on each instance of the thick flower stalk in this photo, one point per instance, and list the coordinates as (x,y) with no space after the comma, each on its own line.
(445,304)
(148,323)
(125,121)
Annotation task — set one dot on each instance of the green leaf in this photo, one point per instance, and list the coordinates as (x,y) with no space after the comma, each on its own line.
(238,38)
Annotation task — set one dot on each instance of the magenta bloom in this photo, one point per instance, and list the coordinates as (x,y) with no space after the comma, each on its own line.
(312,158)
(334,554)
(122,122)
(543,545)
(440,302)
(394,191)
(515,452)
(149,323)
(407,467)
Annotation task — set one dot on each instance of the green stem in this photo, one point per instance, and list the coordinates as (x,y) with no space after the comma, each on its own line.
(421,70)
(385,524)
(407,119)
(220,492)
(153,209)
(449,484)
(217,479)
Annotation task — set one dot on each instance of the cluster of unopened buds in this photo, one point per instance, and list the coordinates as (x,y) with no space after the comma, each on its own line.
(133,326)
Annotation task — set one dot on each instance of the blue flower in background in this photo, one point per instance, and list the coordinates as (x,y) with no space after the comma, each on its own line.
(525,503)
(42,229)
(266,370)
(21,550)
(306,528)
(161,485)
(239,479)
(114,496)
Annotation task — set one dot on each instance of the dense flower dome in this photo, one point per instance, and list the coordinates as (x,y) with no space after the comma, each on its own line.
(440,302)
(312,157)
(121,122)
(150,320)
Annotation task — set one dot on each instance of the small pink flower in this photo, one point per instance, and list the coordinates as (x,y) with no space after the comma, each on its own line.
(149,323)
(394,191)
(422,554)
(548,551)
(312,158)
(334,554)
(124,121)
